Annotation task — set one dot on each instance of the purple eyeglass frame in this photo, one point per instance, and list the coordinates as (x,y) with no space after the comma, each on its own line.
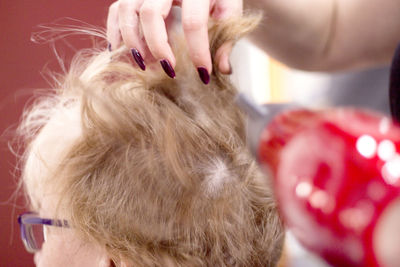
(26,220)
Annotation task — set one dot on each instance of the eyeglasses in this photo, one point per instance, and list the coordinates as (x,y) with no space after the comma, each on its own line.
(33,232)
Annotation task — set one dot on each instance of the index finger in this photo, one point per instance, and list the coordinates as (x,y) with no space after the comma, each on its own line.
(113,33)
(152,16)
(195,16)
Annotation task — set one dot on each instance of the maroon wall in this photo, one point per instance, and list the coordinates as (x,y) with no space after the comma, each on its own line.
(21,63)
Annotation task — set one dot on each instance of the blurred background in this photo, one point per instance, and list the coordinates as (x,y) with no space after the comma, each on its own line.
(23,64)
(267,80)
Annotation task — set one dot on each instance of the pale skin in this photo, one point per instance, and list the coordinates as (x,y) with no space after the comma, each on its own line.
(63,247)
(329,34)
(142,24)
(324,35)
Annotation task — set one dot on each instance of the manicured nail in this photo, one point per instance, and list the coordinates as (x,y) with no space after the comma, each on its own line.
(167,68)
(138,58)
(109,47)
(204,76)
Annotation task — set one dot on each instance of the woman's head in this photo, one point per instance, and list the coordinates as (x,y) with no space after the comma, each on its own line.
(149,170)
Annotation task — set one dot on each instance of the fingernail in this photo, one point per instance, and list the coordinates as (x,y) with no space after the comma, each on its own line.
(109,47)
(204,76)
(138,58)
(167,68)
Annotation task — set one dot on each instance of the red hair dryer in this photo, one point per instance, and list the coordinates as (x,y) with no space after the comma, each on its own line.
(336,178)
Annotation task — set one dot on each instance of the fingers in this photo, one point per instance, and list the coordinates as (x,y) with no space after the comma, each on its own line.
(152,20)
(113,34)
(141,24)
(222,58)
(227,8)
(128,21)
(224,9)
(195,15)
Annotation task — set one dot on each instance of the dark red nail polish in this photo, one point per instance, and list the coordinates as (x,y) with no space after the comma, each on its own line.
(138,58)
(204,76)
(109,47)
(167,68)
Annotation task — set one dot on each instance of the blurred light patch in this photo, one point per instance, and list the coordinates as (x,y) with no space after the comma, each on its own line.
(386,150)
(376,190)
(391,170)
(366,146)
(321,200)
(384,125)
(357,218)
(303,189)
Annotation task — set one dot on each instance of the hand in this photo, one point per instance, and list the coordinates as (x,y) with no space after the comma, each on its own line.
(142,25)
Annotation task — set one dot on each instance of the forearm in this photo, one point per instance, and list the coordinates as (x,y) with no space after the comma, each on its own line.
(316,35)
(294,32)
(366,34)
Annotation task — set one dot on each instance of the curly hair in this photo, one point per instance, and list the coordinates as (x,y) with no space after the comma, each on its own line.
(156,170)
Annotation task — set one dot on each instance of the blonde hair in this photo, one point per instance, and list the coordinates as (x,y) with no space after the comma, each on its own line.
(160,172)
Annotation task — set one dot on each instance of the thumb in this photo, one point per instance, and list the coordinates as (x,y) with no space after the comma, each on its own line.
(222,58)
